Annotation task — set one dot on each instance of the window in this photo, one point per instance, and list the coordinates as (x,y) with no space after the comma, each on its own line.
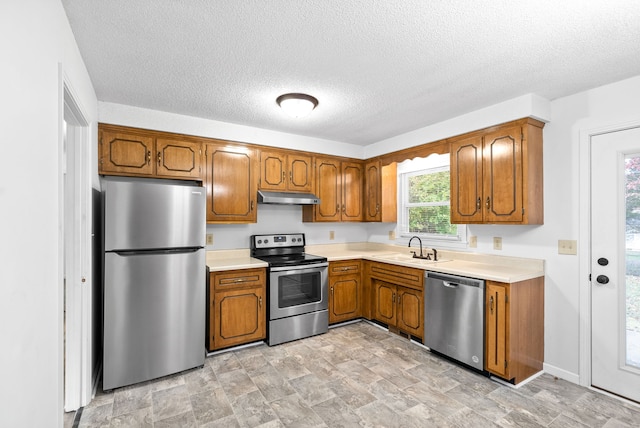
(424,202)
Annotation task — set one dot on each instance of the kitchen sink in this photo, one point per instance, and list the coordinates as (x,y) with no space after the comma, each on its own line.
(407,258)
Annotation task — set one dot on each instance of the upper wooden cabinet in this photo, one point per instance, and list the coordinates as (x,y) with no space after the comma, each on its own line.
(232,183)
(496,175)
(286,171)
(132,152)
(380,191)
(339,185)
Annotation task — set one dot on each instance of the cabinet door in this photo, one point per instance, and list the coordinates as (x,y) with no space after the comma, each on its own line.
(410,311)
(239,317)
(126,154)
(384,302)
(373,191)
(344,298)
(352,197)
(497,328)
(231,183)
(273,171)
(502,152)
(300,173)
(328,187)
(178,159)
(466,181)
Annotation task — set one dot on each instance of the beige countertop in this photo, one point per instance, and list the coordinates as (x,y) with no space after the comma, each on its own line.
(474,265)
(232,259)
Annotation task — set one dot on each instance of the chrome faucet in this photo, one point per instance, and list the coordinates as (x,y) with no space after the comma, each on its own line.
(420,241)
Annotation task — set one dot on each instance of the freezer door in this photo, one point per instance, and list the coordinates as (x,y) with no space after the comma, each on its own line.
(151,213)
(154,315)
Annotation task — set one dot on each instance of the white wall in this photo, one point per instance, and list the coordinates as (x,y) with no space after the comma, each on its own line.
(35,38)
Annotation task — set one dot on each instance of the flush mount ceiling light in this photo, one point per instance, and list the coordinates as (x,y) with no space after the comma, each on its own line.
(297,105)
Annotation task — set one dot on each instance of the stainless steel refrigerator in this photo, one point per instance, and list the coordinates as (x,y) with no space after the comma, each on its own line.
(154,278)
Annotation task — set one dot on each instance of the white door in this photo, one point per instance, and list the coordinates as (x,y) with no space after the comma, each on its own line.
(615,262)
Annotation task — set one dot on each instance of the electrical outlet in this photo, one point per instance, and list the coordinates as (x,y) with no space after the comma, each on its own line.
(392,235)
(566,246)
(497,243)
(473,242)
(332,235)
(209,238)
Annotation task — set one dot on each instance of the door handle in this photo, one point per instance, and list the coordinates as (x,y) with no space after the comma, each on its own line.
(602,261)
(451,284)
(602,279)
(491,304)
(488,202)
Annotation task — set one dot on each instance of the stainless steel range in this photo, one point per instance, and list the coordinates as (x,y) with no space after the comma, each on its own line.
(297,287)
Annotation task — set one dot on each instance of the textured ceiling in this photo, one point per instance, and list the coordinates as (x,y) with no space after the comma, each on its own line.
(378,68)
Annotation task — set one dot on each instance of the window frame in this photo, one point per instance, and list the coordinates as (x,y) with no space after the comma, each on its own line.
(432,164)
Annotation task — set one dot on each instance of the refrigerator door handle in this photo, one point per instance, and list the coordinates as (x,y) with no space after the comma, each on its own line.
(126,253)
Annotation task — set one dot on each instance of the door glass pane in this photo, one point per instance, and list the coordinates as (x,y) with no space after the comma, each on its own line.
(632,283)
(299,289)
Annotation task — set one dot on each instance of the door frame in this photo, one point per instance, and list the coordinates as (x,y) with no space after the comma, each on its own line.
(77,367)
(584,245)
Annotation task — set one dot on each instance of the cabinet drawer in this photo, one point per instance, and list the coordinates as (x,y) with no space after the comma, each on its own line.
(400,275)
(347,267)
(241,278)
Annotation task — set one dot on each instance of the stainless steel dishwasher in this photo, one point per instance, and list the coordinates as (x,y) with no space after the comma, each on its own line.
(454,317)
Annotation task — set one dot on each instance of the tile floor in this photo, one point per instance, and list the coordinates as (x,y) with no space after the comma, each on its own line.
(355,375)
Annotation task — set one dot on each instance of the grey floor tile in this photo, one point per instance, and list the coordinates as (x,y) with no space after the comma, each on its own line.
(210,406)
(170,402)
(252,410)
(355,375)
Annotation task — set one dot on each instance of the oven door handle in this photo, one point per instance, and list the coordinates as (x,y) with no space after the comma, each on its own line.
(299,268)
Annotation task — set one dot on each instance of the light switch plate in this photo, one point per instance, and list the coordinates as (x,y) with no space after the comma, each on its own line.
(473,242)
(567,246)
(497,243)
(209,238)
(332,235)
(392,235)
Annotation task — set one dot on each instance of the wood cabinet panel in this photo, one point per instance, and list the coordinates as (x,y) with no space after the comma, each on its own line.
(286,171)
(237,307)
(231,183)
(345,290)
(514,330)
(497,175)
(126,153)
(178,159)
(352,188)
(397,296)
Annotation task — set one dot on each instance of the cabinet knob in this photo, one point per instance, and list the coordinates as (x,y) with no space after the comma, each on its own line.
(260,301)
(148,157)
(159,158)
(488,202)
(491,304)
(478,203)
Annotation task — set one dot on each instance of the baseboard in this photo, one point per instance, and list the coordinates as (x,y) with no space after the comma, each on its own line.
(561,373)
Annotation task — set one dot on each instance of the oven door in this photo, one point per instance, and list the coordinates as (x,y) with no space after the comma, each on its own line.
(295,290)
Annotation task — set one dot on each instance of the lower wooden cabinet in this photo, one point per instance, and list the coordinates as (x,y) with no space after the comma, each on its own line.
(514,330)
(345,290)
(237,307)
(397,297)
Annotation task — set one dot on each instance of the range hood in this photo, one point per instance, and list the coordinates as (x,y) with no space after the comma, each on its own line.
(287,198)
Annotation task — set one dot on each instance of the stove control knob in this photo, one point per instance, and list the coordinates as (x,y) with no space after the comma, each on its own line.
(266,241)
(259,241)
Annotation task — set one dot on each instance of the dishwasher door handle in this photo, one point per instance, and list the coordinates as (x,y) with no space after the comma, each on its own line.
(450,284)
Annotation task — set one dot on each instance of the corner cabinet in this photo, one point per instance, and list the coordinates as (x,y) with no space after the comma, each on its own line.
(339,185)
(345,290)
(380,189)
(497,175)
(232,183)
(286,171)
(514,330)
(137,152)
(237,307)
